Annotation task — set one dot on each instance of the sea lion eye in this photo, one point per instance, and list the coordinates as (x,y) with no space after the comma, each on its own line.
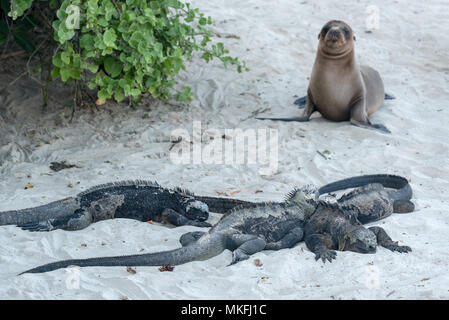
(324,31)
(346,32)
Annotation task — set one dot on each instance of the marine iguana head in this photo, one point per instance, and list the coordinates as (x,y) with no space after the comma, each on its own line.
(359,240)
(196,210)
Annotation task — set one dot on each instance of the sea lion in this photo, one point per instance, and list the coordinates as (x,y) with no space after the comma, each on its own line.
(339,88)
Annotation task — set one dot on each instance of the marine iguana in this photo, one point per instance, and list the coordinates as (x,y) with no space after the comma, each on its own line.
(398,192)
(335,227)
(274,226)
(139,200)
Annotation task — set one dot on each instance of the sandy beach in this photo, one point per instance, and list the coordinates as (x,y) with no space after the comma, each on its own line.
(278,40)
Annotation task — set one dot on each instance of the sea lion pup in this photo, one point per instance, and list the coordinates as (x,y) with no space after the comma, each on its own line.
(339,88)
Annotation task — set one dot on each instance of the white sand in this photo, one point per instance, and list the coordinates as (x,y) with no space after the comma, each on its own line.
(278,40)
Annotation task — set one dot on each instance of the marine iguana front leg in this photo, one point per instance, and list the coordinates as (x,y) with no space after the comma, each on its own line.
(246,245)
(177,219)
(79,220)
(385,241)
(321,245)
(289,240)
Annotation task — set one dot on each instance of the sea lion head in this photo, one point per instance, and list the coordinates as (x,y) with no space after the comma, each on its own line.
(336,38)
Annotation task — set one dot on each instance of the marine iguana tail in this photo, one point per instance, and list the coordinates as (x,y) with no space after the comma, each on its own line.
(204,248)
(400,193)
(56,209)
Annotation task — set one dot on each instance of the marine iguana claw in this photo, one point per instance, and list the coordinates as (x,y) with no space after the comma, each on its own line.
(43,226)
(325,254)
(401,249)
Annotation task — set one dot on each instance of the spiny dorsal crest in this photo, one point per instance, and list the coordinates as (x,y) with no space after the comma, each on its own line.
(342,209)
(135,183)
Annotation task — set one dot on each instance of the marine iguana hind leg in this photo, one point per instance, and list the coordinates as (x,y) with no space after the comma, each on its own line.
(177,219)
(321,245)
(385,241)
(79,220)
(190,237)
(288,241)
(247,244)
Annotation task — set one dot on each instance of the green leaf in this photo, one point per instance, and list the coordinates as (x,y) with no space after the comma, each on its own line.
(109,38)
(65,57)
(54,4)
(119,96)
(55,73)
(75,73)
(112,66)
(92,68)
(57,61)
(18,7)
(65,74)
(86,42)
(103,94)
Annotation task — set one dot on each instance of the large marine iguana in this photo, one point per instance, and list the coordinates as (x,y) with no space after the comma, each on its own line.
(139,200)
(335,227)
(274,226)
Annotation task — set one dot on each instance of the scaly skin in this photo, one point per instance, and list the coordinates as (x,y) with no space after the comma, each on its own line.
(139,200)
(274,226)
(331,228)
(245,231)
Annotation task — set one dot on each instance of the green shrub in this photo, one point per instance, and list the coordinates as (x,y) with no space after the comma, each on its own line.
(127,48)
